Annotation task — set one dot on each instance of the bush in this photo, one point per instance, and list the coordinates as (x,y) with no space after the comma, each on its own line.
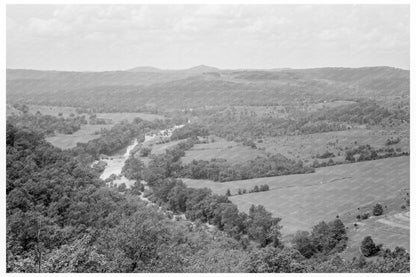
(392,141)
(369,248)
(325,155)
(377,210)
(145,151)
(365,216)
(264,187)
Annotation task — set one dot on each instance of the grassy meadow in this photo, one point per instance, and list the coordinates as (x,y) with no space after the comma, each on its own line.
(305,199)
(304,147)
(232,151)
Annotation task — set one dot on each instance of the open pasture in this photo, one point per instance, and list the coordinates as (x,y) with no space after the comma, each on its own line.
(304,147)
(391,230)
(117,117)
(305,199)
(85,134)
(232,151)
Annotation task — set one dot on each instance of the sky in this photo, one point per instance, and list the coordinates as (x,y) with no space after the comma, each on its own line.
(119,37)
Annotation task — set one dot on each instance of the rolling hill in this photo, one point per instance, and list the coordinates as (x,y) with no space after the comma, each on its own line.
(202,86)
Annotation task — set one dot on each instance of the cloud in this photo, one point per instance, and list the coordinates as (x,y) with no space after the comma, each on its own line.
(228,35)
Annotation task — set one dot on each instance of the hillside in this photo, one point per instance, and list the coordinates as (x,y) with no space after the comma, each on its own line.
(203,86)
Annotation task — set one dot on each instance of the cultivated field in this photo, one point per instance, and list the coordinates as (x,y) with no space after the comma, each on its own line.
(232,151)
(305,199)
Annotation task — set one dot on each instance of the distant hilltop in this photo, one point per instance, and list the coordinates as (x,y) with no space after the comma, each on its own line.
(196,69)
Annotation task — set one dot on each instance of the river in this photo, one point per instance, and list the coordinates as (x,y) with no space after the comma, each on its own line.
(115,163)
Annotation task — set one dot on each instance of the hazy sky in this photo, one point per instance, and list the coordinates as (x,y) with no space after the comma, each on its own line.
(86,37)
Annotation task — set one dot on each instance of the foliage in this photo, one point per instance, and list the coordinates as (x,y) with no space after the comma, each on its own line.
(145,151)
(275,260)
(368,247)
(220,170)
(377,209)
(325,238)
(189,131)
(48,125)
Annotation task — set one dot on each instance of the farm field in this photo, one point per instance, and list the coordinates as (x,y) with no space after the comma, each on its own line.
(391,230)
(306,146)
(305,199)
(232,151)
(85,134)
(117,117)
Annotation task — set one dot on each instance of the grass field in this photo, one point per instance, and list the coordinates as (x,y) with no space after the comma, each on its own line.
(305,199)
(392,229)
(305,146)
(85,134)
(222,149)
(117,117)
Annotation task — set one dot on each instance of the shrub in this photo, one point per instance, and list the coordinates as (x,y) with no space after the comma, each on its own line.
(365,216)
(145,151)
(368,247)
(264,187)
(377,210)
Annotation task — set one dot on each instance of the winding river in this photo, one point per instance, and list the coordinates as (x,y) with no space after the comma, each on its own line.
(115,163)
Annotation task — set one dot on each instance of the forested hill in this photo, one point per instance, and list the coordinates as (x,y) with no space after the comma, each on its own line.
(130,90)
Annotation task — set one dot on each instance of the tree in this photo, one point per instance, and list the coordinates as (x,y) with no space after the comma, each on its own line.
(274,260)
(262,227)
(377,210)
(145,151)
(303,243)
(368,247)
(228,192)
(133,169)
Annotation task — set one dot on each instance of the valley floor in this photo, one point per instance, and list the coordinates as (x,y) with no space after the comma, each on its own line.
(345,190)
